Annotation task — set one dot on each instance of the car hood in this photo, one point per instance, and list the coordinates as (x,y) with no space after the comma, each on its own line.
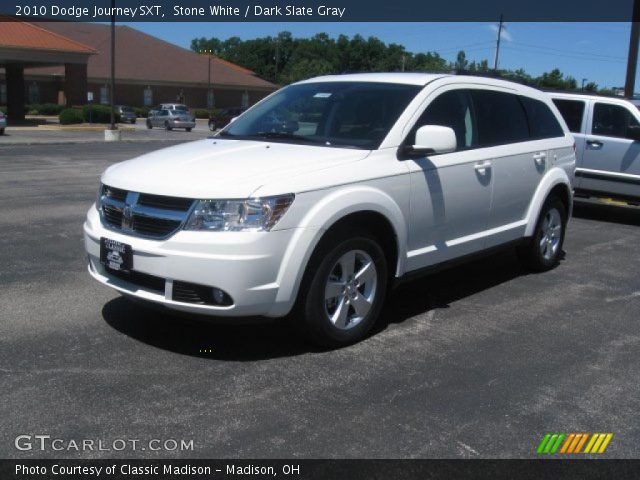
(221,168)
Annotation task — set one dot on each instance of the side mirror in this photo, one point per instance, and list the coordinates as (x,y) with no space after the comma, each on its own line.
(633,133)
(432,139)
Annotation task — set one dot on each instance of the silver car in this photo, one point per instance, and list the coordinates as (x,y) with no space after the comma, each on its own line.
(170,119)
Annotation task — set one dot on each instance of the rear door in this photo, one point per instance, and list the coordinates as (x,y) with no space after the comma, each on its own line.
(518,163)
(574,113)
(611,160)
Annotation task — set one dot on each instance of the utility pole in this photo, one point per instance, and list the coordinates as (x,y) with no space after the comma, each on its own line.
(495,63)
(632,60)
(277,59)
(113,64)
(404,59)
(583,80)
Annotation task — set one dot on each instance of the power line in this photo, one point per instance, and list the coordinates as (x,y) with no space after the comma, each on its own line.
(568,51)
(552,54)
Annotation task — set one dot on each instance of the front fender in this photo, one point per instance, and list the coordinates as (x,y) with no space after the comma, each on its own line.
(555,176)
(325,209)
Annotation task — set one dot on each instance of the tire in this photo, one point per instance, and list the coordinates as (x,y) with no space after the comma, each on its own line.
(1,131)
(188,129)
(347,317)
(149,126)
(167,127)
(212,126)
(544,250)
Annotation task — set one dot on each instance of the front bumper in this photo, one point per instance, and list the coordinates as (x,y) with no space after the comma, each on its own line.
(245,265)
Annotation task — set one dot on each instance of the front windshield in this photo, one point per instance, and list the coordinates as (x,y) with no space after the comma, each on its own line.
(334,114)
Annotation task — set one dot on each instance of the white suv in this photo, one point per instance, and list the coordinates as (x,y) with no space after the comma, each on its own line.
(322,196)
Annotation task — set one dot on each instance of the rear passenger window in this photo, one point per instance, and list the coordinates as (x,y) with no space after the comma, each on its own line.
(572,112)
(501,118)
(542,122)
(612,120)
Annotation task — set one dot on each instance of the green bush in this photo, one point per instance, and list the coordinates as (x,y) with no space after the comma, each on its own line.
(98,114)
(70,116)
(201,113)
(141,111)
(44,109)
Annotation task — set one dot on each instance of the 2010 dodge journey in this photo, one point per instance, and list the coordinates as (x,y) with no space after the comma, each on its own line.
(315,201)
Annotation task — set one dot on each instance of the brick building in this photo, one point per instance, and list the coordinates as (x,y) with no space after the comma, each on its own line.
(148,70)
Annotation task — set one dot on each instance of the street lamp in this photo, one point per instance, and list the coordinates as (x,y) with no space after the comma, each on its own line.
(209,52)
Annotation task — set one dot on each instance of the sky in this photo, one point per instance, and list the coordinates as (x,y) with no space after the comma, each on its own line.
(593,51)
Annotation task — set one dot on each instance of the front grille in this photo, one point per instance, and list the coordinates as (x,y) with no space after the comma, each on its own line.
(170,203)
(144,280)
(142,214)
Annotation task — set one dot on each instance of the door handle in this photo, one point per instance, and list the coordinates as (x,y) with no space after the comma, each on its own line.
(482,167)
(595,144)
(540,158)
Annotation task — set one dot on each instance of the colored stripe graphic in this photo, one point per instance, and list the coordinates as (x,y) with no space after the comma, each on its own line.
(572,443)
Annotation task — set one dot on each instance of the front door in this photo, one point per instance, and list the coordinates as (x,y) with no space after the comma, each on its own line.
(450,193)
(611,161)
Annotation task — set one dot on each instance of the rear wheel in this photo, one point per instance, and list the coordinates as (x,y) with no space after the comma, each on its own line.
(343,291)
(149,126)
(167,127)
(543,251)
(188,129)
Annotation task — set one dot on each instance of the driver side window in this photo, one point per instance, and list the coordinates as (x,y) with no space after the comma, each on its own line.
(453,109)
(612,120)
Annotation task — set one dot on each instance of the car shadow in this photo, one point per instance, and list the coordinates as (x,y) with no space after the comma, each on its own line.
(442,289)
(607,213)
(252,339)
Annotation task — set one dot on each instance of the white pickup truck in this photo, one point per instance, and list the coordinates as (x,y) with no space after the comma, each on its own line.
(607,133)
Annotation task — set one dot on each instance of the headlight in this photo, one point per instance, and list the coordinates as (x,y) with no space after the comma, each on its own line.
(254,214)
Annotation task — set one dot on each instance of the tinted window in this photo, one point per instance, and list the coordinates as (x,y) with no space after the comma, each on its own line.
(500,117)
(451,109)
(612,120)
(542,121)
(572,112)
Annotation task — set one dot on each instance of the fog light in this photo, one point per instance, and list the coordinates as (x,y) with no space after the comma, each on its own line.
(218,296)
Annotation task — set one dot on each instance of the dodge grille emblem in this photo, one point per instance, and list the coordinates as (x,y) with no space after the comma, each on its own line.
(127,219)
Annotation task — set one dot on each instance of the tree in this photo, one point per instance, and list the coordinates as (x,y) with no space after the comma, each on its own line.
(461,61)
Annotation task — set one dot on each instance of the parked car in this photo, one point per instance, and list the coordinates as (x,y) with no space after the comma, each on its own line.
(223,117)
(3,123)
(127,114)
(173,106)
(607,133)
(170,119)
(402,173)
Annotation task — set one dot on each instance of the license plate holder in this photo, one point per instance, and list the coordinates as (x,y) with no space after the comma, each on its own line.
(116,255)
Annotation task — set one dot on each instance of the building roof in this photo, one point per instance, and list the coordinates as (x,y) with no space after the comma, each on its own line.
(146,59)
(25,35)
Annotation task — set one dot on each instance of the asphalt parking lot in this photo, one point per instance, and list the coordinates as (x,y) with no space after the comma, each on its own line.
(478,361)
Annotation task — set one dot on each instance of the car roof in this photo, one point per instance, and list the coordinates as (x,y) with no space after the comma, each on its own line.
(591,96)
(397,77)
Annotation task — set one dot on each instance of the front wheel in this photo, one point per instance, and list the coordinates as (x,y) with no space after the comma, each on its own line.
(543,251)
(167,127)
(149,126)
(343,291)
(188,129)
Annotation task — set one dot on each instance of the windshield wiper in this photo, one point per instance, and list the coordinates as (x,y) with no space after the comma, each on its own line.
(288,136)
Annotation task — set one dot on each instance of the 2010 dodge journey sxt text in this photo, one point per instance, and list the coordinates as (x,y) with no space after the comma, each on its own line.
(321,196)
